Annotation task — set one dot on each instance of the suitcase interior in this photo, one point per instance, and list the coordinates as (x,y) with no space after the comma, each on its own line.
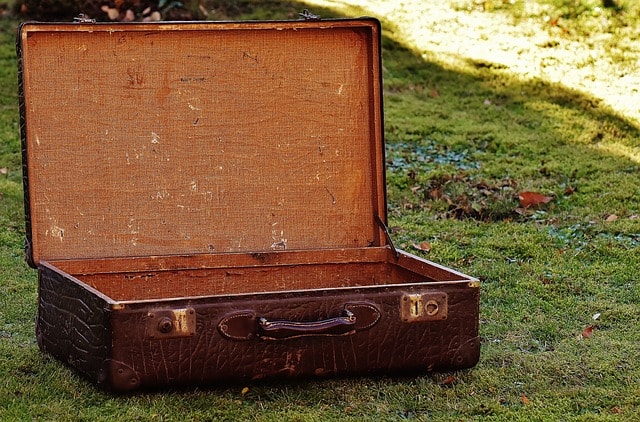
(158,278)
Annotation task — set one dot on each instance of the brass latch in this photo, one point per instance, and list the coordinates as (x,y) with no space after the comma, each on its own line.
(171,323)
(419,307)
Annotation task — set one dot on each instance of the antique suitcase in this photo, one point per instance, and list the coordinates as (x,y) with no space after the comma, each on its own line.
(206,202)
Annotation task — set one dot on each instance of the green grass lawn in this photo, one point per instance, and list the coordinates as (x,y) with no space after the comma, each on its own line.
(466,135)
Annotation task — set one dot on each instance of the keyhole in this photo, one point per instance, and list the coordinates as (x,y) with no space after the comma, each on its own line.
(416,307)
(165,325)
(432,307)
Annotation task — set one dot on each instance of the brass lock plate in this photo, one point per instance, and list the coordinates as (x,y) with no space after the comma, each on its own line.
(420,307)
(171,323)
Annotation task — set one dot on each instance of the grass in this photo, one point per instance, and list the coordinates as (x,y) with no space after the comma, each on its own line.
(465,134)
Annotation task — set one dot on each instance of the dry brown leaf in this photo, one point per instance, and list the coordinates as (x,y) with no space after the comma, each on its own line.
(435,194)
(423,246)
(587,332)
(547,279)
(532,199)
(525,399)
(448,381)
(245,391)
(612,217)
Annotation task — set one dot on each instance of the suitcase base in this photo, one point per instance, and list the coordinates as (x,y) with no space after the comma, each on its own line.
(147,322)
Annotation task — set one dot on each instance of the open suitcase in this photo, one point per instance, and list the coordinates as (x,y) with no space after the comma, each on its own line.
(206,202)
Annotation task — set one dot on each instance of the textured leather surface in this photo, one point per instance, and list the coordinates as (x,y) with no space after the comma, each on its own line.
(25,167)
(389,347)
(117,349)
(73,324)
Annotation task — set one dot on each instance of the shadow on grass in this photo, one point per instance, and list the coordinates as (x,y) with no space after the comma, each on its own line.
(514,133)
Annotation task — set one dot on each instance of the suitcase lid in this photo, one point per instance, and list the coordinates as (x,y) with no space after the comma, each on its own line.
(182,138)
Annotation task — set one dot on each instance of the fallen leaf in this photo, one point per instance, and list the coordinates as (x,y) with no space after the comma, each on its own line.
(448,381)
(570,190)
(612,217)
(547,279)
(435,194)
(596,316)
(4,171)
(531,199)
(525,399)
(616,410)
(245,391)
(434,93)
(587,332)
(423,246)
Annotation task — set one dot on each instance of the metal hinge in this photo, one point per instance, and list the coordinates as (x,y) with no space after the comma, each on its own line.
(82,18)
(385,230)
(308,16)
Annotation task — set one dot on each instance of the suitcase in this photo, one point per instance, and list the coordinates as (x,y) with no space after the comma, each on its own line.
(205,202)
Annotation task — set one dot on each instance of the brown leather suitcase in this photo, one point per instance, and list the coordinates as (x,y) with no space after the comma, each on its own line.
(206,202)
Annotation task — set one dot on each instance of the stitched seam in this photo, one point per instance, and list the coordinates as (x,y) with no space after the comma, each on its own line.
(373,308)
(225,322)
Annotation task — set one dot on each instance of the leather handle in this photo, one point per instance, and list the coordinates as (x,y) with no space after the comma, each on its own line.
(280,330)
(247,325)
